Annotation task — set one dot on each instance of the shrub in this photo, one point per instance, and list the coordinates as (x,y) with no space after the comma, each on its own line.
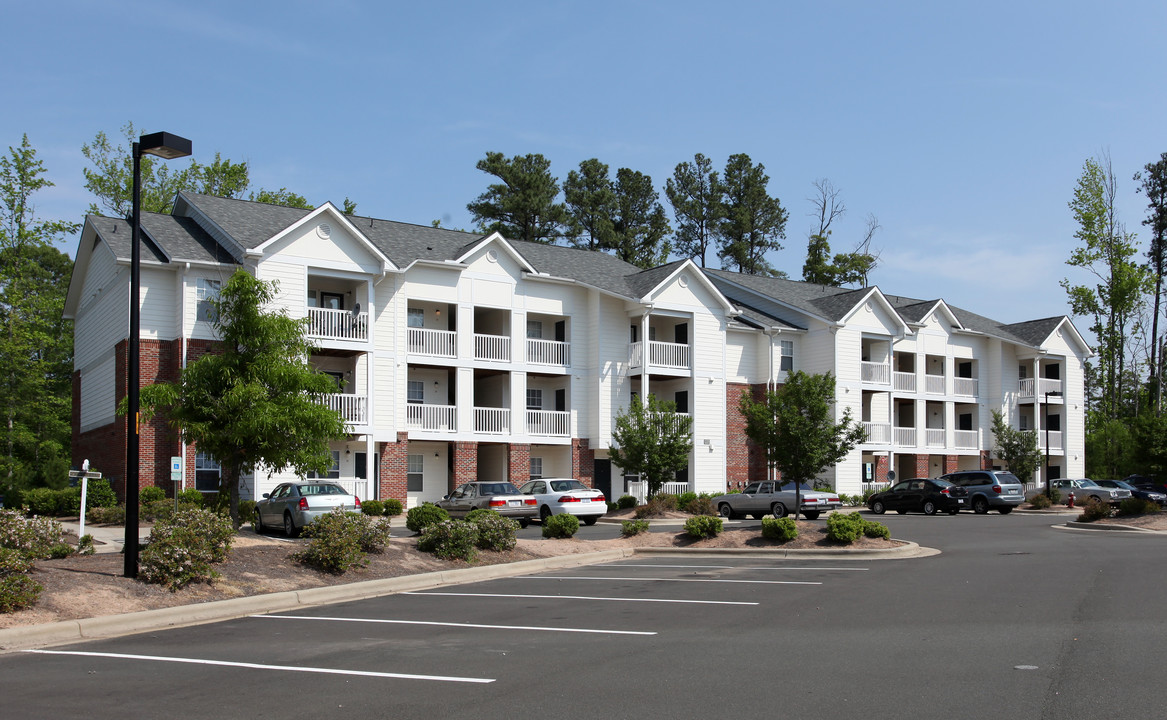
(31,537)
(560,526)
(41,501)
(1040,501)
(373,507)
(476,513)
(424,516)
(495,532)
(246,511)
(340,540)
(85,545)
(17,589)
(684,499)
(612,507)
(150,494)
(701,506)
(628,528)
(779,528)
(626,502)
(703,526)
(1094,510)
(844,527)
(183,547)
(157,510)
(115,515)
(99,494)
(69,501)
(192,496)
(657,506)
(1055,495)
(393,507)
(60,550)
(665,500)
(450,540)
(1136,506)
(873,529)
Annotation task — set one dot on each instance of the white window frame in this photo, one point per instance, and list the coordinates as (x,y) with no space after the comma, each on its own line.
(333,471)
(786,353)
(415,392)
(206,464)
(206,289)
(535,329)
(534,398)
(415,470)
(415,318)
(536,468)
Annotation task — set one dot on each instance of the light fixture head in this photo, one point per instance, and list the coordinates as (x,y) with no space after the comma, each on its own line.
(164,145)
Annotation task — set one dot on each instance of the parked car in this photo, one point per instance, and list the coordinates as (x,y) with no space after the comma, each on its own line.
(996,489)
(1146,482)
(762,498)
(556,496)
(502,497)
(927,495)
(1085,488)
(293,505)
(1154,496)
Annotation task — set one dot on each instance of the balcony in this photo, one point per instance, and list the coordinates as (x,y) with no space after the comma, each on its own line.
(934,384)
(433,418)
(353,408)
(935,438)
(661,355)
(904,381)
(555,423)
(1044,385)
(965,439)
(876,373)
(328,324)
(495,421)
(965,386)
(548,352)
(434,343)
(493,348)
(1055,441)
(878,433)
(905,436)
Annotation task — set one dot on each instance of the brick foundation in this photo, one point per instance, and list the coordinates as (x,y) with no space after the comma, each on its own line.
(745,461)
(881,468)
(392,481)
(583,461)
(951,463)
(922,466)
(518,463)
(465,463)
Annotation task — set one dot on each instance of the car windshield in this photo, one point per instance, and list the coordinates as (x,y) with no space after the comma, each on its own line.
(1122,484)
(497,489)
(1085,482)
(566,485)
(327,489)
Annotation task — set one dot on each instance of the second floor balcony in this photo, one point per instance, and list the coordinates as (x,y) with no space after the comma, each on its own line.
(329,324)
(1027,387)
(434,343)
(677,356)
(353,408)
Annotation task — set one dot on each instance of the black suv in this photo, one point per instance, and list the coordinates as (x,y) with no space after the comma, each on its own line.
(995,489)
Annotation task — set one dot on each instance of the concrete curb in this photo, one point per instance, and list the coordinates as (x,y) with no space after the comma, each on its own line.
(1108,527)
(109,626)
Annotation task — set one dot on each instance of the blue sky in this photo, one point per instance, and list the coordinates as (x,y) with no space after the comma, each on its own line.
(961,126)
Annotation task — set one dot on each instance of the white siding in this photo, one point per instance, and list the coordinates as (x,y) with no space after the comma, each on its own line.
(98,393)
(103,318)
(159,298)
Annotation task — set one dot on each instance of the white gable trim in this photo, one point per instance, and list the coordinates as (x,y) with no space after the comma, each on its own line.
(496,239)
(942,306)
(1074,334)
(335,215)
(878,296)
(695,272)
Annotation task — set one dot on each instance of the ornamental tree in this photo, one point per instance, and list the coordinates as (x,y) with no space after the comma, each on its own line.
(652,440)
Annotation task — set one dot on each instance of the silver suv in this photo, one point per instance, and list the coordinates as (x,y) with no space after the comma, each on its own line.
(995,489)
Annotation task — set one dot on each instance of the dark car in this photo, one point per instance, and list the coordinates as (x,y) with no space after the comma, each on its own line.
(1156,496)
(1146,482)
(926,495)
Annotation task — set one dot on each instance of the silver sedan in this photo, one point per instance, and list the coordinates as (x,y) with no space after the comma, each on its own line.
(502,497)
(766,498)
(295,504)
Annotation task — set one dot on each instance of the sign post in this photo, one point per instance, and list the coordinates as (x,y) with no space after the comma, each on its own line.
(85,476)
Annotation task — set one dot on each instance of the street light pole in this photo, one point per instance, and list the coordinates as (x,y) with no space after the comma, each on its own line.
(167,146)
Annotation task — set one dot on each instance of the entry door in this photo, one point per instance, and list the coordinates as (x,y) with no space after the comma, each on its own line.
(681,334)
(682,401)
(603,477)
(332,301)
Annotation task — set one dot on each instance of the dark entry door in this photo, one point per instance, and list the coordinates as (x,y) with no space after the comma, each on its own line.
(603,475)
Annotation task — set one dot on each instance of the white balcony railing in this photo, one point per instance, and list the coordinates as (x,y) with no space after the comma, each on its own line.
(965,386)
(904,381)
(1044,385)
(965,439)
(905,436)
(660,354)
(934,384)
(437,418)
(556,423)
(353,408)
(548,352)
(435,343)
(1055,440)
(492,420)
(639,489)
(337,324)
(935,437)
(355,486)
(878,373)
(878,433)
(492,347)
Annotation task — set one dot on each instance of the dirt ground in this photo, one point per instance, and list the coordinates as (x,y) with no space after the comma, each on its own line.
(92,586)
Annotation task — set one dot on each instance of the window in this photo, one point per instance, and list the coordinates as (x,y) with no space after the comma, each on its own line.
(1021,372)
(415,392)
(535,329)
(786,362)
(206,473)
(534,399)
(413,476)
(206,290)
(333,471)
(415,317)
(536,467)
(338,378)
(331,300)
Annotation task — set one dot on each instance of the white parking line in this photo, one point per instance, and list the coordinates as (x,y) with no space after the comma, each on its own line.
(259,666)
(458,625)
(697,580)
(583,597)
(740,567)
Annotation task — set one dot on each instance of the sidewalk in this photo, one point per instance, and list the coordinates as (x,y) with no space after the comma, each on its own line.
(106,538)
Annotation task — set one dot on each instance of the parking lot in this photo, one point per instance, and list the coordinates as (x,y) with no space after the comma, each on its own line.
(1006,622)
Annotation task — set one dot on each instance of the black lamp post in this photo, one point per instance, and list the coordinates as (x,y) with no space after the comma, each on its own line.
(166,146)
(1045,421)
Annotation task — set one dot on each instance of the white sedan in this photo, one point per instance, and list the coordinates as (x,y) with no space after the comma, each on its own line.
(557,496)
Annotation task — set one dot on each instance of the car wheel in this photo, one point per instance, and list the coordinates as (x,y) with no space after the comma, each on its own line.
(544,514)
(779,510)
(290,526)
(1004,510)
(877,507)
(929,507)
(980,506)
(725,511)
(257,523)
(524,522)
(811,514)
(590,520)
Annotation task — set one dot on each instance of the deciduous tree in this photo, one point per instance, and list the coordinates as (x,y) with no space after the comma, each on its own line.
(652,440)
(1153,184)
(1018,448)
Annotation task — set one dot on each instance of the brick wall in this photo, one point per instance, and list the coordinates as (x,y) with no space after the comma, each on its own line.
(465,463)
(951,463)
(882,465)
(394,467)
(744,460)
(518,463)
(921,466)
(583,461)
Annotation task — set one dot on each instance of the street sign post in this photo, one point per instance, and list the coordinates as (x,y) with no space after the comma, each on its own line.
(85,476)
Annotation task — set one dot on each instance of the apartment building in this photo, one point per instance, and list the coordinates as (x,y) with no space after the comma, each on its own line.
(463,356)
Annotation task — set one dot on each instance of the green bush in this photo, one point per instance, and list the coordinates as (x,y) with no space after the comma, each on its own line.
(779,528)
(158,510)
(657,506)
(69,501)
(98,493)
(85,545)
(1040,501)
(703,526)
(340,540)
(373,507)
(41,501)
(60,550)
(874,529)
(626,502)
(450,540)
(17,589)
(612,507)
(1136,506)
(476,513)
(844,527)
(115,515)
(151,493)
(393,507)
(684,499)
(246,511)
(701,506)
(424,516)
(182,548)
(1055,495)
(495,532)
(628,528)
(667,501)
(32,537)
(1094,510)
(560,526)
(192,496)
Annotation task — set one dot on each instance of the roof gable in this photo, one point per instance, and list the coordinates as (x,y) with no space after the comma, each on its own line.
(325,234)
